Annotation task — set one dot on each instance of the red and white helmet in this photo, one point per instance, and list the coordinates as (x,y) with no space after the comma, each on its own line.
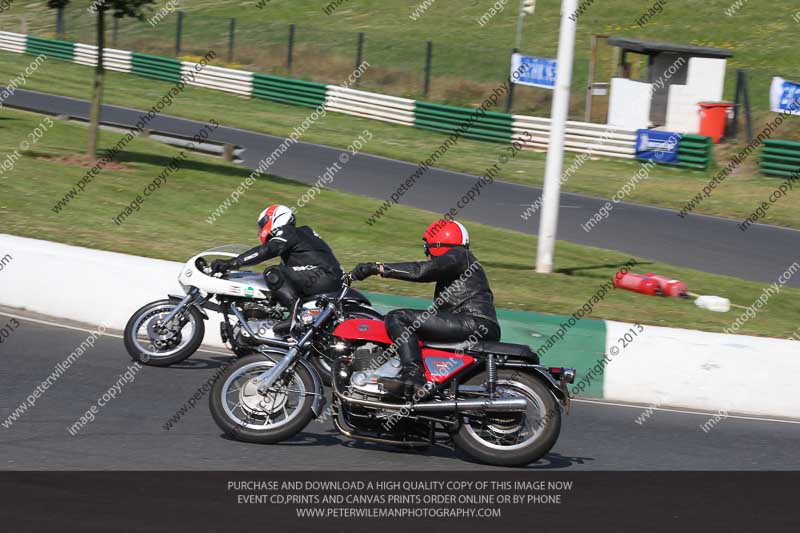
(272,218)
(442,235)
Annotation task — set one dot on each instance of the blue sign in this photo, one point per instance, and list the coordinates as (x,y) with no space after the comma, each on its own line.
(657,145)
(535,71)
(784,96)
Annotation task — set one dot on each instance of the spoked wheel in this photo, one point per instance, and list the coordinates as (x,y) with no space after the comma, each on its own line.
(152,342)
(514,438)
(244,413)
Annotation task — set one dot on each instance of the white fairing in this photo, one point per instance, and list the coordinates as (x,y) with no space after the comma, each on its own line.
(242,284)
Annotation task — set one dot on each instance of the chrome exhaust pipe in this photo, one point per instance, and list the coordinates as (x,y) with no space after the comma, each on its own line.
(504,404)
(497,405)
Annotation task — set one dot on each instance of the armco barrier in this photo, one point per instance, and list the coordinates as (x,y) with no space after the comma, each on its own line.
(695,151)
(780,158)
(532,132)
(50,47)
(156,67)
(660,366)
(598,139)
(370,105)
(289,91)
(471,123)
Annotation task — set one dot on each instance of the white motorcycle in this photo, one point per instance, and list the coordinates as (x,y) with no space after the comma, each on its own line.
(168,331)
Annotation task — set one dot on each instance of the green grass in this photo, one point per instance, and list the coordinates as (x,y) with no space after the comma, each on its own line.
(467,57)
(172,225)
(666,187)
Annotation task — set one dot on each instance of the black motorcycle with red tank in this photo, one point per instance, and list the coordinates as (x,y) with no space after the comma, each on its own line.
(491,400)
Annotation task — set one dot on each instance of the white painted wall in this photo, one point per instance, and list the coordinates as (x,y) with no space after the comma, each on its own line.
(629,104)
(662,366)
(700,370)
(705,82)
(91,286)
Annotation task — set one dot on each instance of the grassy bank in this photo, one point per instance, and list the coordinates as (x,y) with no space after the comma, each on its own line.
(171,224)
(665,187)
(469,57)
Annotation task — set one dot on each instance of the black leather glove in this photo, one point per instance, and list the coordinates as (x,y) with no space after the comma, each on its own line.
(222,265)
(364,270)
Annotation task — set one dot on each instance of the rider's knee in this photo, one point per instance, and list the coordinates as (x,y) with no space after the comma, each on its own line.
(274,277)
(397,320)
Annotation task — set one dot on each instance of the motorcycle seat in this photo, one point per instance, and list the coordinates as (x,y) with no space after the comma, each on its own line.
(517,351)
(352,295)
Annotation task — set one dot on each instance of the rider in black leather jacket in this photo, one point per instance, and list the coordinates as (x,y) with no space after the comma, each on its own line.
(463,301)
(307,267)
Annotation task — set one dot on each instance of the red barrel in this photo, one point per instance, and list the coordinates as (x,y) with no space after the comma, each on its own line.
(713,118)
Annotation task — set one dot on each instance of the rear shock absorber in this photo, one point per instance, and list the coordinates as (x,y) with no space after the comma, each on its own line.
(491,368)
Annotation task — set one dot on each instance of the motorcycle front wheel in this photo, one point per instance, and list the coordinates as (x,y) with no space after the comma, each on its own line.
(511,439)
(151,343)
(245,414)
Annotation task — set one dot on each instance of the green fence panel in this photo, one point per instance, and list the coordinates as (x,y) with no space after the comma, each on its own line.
(694,152)
(156,67)
(794,145)
(288,91)
(776,158)
(780,158)
(780,152)
(488,126)
(50,47)
(780,166)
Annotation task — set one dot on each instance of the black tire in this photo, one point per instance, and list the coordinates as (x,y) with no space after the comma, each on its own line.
(154,360)
(476,448)
(260,436)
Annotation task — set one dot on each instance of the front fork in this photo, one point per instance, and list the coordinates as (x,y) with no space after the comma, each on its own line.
(267,379)
(193,297)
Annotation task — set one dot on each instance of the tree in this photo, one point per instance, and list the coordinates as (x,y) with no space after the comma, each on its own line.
(118,9)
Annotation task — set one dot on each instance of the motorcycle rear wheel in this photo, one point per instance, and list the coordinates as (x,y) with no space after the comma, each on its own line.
(246,415)
(512,439)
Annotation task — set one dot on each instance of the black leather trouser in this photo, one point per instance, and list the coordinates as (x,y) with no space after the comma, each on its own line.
(407,327)
(287,285)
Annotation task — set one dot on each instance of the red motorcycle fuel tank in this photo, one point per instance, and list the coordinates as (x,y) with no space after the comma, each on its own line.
(363,329)
(439,365)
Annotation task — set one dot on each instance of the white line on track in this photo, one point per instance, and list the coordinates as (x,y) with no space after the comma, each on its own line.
(87,330)
(685,411)
(598,402)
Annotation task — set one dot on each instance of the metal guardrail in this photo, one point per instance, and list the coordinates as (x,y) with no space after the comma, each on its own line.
(780,158)
(532,132)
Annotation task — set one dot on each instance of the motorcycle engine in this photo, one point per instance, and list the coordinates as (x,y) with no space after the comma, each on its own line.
(359,380)
(261,320)
(369,364)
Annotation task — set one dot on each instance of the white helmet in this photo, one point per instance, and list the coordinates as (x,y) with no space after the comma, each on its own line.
(272,218)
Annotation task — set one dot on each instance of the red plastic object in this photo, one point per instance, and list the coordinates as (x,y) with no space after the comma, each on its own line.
(637,283)
(651,284)
(713,118)
(669,287)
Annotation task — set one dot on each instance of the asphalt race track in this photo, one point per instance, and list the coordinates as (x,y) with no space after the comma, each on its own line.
(128,433)
(702,242)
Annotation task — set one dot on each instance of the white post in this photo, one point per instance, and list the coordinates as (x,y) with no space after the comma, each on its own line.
(548,220)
